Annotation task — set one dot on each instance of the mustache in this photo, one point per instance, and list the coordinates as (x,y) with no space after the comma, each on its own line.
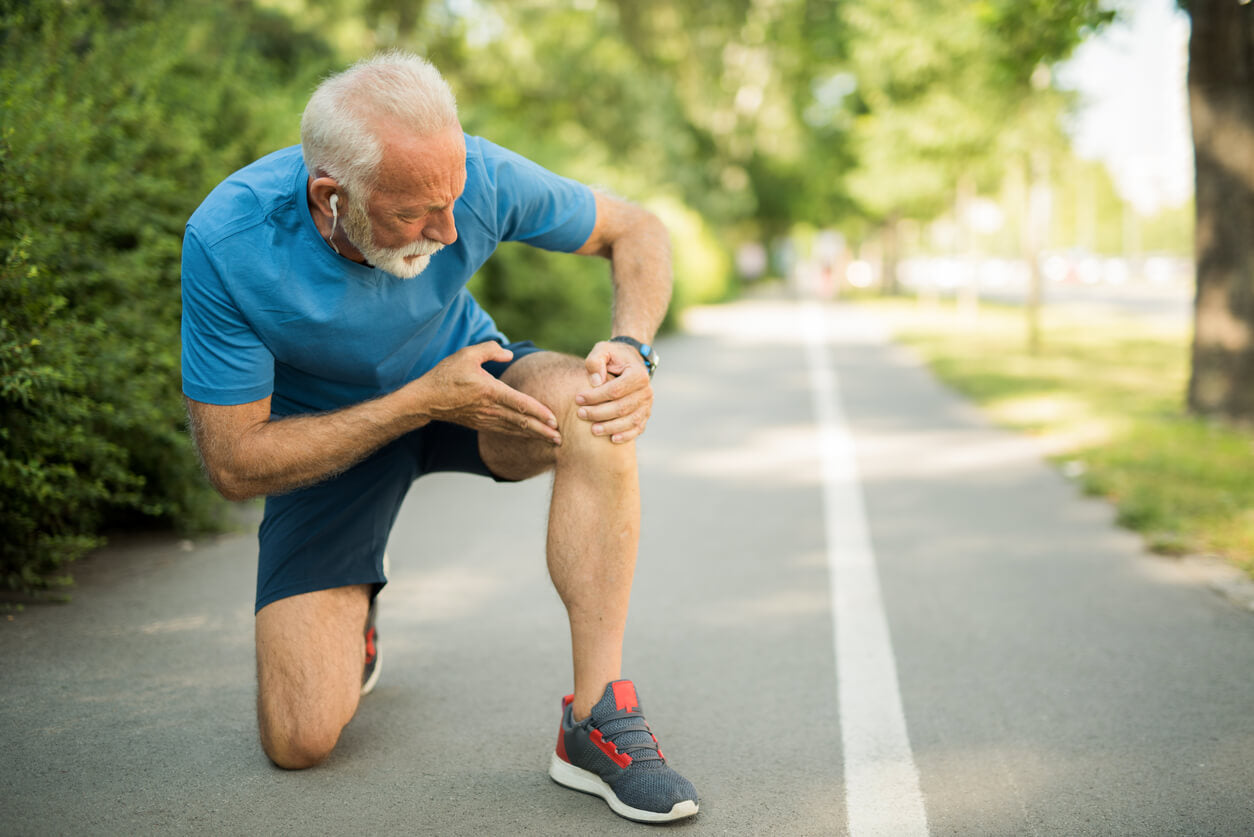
(424,247)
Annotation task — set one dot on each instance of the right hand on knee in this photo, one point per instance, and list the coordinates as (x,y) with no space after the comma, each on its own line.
(461,391)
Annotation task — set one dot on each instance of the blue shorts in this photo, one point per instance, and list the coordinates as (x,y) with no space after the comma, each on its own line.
(333,534)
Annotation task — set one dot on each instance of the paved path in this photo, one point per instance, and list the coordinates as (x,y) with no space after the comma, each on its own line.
(1049,677)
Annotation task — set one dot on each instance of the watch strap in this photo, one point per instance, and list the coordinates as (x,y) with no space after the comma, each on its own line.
(645,350)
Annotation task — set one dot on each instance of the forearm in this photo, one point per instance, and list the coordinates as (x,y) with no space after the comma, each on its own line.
(276,456)
(640,263)
(246,454)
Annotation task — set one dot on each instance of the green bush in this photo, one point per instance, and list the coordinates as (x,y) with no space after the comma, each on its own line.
(117,119)
(561,302)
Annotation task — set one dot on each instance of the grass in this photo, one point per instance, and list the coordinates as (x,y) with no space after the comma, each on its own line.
(1107,393)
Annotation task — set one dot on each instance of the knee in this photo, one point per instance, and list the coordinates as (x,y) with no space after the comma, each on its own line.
(298,749)
(581,444)
(297,734)
(555,379)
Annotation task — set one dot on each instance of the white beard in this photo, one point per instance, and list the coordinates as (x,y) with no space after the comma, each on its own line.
(404,262)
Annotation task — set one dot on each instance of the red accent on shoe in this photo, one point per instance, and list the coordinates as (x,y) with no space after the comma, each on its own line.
(561,733)
(370,649)
(625,699)
(607,747)
(657,747)
(561,745)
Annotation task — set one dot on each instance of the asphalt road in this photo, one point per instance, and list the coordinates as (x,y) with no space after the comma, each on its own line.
(1052,677)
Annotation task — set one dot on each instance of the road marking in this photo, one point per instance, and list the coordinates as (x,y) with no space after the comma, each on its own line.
(882,795)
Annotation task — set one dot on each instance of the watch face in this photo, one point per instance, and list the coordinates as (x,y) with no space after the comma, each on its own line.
(647,352)
(651,359)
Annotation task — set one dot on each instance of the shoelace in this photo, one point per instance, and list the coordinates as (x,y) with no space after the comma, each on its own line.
(642,746)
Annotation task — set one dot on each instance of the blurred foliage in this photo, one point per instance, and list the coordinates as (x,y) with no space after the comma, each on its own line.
(949,90)
(736,121)
(118,117)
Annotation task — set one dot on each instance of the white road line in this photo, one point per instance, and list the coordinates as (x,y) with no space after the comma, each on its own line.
(882,795)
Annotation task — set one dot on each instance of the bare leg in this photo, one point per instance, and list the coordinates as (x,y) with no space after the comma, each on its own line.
(594,518)
(310,654)
(594,531)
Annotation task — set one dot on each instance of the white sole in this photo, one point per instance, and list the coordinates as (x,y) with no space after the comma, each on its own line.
(368,686)
(576,778)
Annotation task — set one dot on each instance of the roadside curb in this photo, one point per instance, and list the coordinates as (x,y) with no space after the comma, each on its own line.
(1223,578)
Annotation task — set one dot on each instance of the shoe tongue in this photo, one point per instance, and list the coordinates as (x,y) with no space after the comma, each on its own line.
(620,696)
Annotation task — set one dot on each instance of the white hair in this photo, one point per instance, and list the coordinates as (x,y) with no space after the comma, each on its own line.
(337,131)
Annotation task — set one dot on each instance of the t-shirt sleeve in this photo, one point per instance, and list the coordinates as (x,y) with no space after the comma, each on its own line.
(224,361)
(538,207)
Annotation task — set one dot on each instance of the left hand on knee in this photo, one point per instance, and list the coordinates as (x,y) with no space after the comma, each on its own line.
(621,396)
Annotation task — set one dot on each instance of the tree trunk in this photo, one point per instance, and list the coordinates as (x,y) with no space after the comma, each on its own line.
(1221,105)
(890,238)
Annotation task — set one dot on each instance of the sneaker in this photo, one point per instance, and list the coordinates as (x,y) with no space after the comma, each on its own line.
(370,673)
(615,755)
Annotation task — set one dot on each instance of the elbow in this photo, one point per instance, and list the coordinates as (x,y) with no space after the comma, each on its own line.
(654,230)
(218,438)
(228,484)
(235,491)
(234,494)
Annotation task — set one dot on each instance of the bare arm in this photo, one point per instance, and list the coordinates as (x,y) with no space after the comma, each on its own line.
(639,249)
(247,454)
(620,397)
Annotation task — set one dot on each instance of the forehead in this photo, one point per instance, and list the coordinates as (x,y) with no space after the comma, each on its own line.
(431,167)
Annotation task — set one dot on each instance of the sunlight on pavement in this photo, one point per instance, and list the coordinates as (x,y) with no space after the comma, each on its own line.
(760,607)
(183,623)
(778,321)
(778,454)
(443,594)
(788,455)
(947,453)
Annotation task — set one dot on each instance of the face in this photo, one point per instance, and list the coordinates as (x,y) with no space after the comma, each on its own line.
(408,217)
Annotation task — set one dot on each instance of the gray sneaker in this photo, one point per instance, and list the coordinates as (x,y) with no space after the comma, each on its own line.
(613,754)
(370,673)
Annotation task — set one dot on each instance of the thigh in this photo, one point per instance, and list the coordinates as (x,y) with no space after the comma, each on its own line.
(310,657)
(333,534)
(551,378)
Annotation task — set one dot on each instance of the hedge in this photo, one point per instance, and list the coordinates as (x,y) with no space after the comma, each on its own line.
(118,117)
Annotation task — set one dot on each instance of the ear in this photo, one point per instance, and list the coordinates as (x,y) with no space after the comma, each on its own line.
(320,191)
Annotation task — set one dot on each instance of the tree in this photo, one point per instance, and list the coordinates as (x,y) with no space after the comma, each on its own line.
(1221,106)
(952,97)
(118,118)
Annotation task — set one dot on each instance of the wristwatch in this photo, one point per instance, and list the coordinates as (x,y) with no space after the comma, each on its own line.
(646,351)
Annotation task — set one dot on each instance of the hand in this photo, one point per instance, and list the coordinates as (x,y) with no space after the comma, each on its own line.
(621,396)
(460,391)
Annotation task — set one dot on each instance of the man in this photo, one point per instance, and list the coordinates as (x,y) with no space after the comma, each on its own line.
(332,355)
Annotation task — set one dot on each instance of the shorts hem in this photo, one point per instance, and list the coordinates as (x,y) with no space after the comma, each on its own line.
(313,585)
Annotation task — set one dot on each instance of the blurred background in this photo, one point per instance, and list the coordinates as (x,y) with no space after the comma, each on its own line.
(946,162)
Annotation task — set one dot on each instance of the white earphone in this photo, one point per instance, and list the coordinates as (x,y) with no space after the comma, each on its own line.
(335,219)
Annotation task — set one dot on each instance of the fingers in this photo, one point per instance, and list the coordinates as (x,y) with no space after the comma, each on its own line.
(596,366)
(609,359)
(488,351)
(620,407)
(625,427)
(526,411)
(633,378)
(462,392)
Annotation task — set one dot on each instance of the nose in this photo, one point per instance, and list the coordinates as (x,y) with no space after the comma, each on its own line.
(441,227)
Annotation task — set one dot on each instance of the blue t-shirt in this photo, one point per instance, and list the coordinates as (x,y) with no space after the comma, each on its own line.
(270,309)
